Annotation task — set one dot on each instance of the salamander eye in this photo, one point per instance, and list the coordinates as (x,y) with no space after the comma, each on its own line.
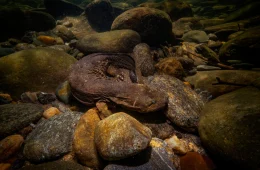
(152,102)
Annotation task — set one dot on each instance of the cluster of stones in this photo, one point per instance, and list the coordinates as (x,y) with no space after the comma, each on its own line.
(35,66)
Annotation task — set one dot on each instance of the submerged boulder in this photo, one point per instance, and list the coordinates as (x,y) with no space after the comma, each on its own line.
(229,127)
(153,25)
(118,41)
(45,67)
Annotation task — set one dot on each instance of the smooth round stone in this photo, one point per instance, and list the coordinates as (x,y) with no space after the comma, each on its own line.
(229,128)
(120,136)
(117,41)
(195,36)
(15,117)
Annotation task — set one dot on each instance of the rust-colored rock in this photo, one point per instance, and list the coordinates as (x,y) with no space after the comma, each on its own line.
(120,136)
(171,66)
(9,146)
(83,144)
(52,111)
(195,161)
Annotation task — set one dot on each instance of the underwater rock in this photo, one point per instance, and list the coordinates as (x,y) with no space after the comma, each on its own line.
(155,157)
(100,15)
(246,11)
(9,146)
(50,112)
(63,32)
(91,81)
(208,53)
(14,117)
(45,67)
(51,138)
(120,136)
(171,66)
(196,161)
(153,25)
(60,165)
(184,105)
(45,98)
(144,59)
(120,7)
(5,98)
(244,47)
(175,9)
(6,51)
(83,142)
(60,8)
(63,92)
(118,41)
(17,22)
(195,36)
(229,127)
(232,80)
(23,46)
(207,68)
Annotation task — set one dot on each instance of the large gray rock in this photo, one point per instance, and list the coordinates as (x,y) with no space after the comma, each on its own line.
(45,67)
(51,138)
(118,41)
(120,136)
(15,117)
(232,80)
(229,127)
(153,25)
(184,105)
(155,157)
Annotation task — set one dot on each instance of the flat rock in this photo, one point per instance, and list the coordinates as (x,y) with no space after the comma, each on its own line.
(120,136)
(234,79)
(153,25)
(14,117)
(51,138)
(118,41)
(229,128)
(45,67)
(184,104)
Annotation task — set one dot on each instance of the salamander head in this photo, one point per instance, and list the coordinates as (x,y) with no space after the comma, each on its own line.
(142,99)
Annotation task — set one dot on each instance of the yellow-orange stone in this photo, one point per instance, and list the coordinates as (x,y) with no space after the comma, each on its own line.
(5,166)
(83,144)
(9,146)
(52,111)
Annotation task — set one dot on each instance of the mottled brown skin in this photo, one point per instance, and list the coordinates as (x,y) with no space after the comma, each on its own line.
(90,82)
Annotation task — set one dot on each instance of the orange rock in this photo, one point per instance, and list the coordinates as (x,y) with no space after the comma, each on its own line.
(48,40)
(195,161)
(103,110)
(170,66)
(9,146)
(5,166)
(83,144)
(52,111)
(6,97)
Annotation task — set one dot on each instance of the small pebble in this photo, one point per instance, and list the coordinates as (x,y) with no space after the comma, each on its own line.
(52,111)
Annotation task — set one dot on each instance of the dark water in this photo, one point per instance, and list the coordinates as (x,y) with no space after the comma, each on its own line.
(212,46)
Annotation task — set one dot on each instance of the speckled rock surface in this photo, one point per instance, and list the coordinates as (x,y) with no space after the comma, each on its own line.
(45,67)
(120,136)
(184,104)
(118,41)
(83,143)
(14,117)
(229,127)
(153,25)
(155,157)
(144,59)
(51,138)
